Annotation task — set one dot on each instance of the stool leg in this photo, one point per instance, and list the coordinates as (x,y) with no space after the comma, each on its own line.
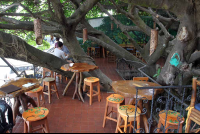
(42,98)
(167,128)
(84,87)
(138,124)
(29,127)
(118,124)
(105,115)
(47,126)
(25,127)
(91,94)
(99,92)
(181,129)
(159,126)
(130,128)
(125,125)
(55,87)
(38,99)
(49,92)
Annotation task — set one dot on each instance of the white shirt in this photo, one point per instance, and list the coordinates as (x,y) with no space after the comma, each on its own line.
(60,54)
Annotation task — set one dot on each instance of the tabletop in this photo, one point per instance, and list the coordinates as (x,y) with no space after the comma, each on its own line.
(19,82)
(79,67)
(128,89)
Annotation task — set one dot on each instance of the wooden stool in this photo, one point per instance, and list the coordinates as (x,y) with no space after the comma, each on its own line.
(50,82)
(92,81)
(172,122)
(36,117)
(193,110)
(38,93)
(127,113)
(114,101)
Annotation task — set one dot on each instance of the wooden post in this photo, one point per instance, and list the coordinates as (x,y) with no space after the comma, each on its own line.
(154,41)
(38,31)
(85,37)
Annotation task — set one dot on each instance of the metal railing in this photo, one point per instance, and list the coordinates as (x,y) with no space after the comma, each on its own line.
(166,102)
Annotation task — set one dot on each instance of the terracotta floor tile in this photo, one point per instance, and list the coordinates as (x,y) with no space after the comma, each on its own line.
(73,116)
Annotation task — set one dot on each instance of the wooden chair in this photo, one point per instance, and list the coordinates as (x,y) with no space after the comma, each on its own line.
(34,118)
(141,79)
(113,101)
(60,77)
(127,113)
(92,81)
(50,82)
(111,57)
(172,122)
(38,93)
(193,110)
(45,70)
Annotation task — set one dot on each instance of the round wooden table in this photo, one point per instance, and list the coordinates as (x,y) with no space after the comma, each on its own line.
(128,90)
(21,99)
(78,69)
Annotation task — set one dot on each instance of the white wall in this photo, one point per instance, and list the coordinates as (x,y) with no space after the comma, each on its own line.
(96,22)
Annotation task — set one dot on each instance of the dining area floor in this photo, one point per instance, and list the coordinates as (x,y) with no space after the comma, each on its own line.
(73,116)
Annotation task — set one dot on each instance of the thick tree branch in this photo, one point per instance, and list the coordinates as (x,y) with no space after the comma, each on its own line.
(58,8)
(82,11)
(11,6)
(14,47)
(195,56)
(133,15)
(23,14)
(122,28)
(167,34)
(171,5)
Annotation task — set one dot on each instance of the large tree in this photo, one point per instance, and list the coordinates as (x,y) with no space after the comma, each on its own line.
(68,18)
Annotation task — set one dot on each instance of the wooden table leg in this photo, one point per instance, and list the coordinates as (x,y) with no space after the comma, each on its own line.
(69,84)
(76,87)
(79,88)
(22,100)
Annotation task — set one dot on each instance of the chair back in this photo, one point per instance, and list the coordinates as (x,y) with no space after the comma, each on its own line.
(140,78)
(45,70)
(195,82)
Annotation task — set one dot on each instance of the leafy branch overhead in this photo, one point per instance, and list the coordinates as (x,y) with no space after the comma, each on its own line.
(68,18)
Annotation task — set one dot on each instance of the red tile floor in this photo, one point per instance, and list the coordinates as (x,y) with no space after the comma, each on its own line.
(73,116)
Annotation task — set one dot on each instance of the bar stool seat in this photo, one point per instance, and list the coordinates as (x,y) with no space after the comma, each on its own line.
(49,79)
(172,121)
(128,114)
(91,82)
(91,79)
(50,82)
(35,117)
(38,93)
(113,101)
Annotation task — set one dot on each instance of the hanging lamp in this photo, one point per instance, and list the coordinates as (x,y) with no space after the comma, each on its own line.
(38,31)
(85,35)
(154,41)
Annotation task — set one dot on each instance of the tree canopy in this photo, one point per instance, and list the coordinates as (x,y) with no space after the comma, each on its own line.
(68,18)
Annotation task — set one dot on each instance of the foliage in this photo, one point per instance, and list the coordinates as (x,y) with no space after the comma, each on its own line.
(117,35)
